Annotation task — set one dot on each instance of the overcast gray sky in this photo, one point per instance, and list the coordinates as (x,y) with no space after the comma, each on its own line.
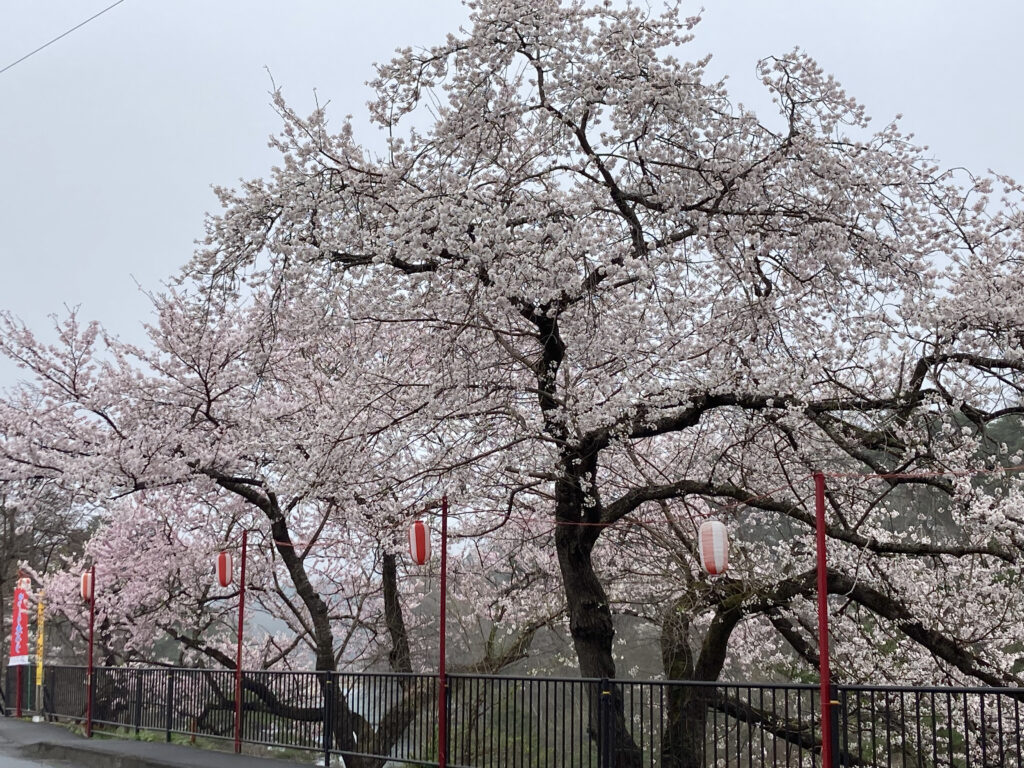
(111,137)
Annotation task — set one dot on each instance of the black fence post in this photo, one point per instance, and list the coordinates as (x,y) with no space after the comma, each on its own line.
(47,694)
(169,720)
(241,712)
(447,719)
(845,726)
(606,726)
(90,696)
(138,700)
(37,690)
(329,692)
(833,715)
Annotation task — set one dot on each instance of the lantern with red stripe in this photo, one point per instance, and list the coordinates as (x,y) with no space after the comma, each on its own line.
(87,586)
(419,542)
(225,570)
(714,547)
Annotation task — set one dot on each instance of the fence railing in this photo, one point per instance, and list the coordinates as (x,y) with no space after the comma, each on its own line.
(519,722)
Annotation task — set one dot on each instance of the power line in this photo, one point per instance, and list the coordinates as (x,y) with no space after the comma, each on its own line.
(58,37)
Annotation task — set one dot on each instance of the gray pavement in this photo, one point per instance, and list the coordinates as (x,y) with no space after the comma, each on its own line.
(24,744)
(19,762)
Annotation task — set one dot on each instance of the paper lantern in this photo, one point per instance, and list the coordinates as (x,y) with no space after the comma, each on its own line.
(224,569)
(714,547)
(87,586)
(419,542)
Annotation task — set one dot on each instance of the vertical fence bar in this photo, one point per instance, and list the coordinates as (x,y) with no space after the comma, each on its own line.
(981,729)
(999,729)
(138,701)
(844,709)
(606,726)
(517,719)
(964,747)
(921,748)
(831,712)
(725,725)
(42,692)
(1017,729)
(169,705)
(330,685)
(799,719)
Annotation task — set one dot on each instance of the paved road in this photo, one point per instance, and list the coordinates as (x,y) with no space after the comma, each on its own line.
(17,762)
(24,744)
(11,757)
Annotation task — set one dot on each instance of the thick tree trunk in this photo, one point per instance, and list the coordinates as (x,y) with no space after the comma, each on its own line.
(590,621)
(349,730)
(682,744)
(399,656)
(346,724)
(684,739)
(578,518)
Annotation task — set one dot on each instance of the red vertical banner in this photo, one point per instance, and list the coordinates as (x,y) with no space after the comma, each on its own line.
(19,624)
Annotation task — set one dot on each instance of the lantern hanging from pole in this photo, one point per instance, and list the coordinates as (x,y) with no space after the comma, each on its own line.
(224,569)
(87,586)
(714,547)
(419,542)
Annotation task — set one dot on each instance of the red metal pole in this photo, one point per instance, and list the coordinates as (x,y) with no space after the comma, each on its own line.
(442,693)
(238,652)
(89,671)
(17,698)
(825,674)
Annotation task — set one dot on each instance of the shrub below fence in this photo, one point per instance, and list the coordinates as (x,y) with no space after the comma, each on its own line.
(518,722)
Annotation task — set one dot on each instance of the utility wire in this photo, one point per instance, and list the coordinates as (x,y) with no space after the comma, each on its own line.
(58,37)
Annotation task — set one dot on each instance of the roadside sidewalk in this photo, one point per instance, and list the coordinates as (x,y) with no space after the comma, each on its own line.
(46,741)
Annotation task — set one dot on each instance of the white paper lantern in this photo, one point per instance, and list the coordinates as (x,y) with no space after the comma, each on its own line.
(87,586)
(224,569)
(714,547)
(419,542)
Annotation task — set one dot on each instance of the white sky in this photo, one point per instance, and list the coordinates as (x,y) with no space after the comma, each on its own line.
(111,138)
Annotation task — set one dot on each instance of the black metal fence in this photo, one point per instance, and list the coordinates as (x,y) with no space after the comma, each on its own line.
(514,722)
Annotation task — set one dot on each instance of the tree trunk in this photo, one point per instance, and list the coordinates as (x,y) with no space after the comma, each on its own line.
(590,622)
(349,731)
(590,619)
(346,724)
(578,517)
(684,739)
(682,744)
(399,656)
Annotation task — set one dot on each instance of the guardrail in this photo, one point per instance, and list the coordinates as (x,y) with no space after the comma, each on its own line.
(370,719)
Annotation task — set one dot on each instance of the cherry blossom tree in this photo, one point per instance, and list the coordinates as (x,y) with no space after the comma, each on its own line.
(665,299)
(580,287)
(234,421)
